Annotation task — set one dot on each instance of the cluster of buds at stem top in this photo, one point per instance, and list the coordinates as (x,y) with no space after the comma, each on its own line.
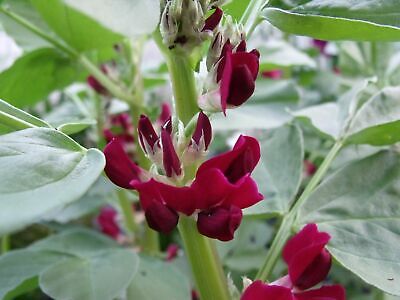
(184,23)
(308,264)
(232,70)
(163,195)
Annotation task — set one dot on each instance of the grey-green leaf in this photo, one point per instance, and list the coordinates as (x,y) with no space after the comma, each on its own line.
(97,269)
(156,279)
(279,171)
(378,120)
(18,266)
(359,207)
(359,20)
(42,169)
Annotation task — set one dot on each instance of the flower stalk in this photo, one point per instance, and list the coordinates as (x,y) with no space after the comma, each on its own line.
(206,267)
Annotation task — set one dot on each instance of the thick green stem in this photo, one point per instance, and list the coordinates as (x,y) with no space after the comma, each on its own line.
(284,230)
(150,242)
(206,267)
(207,271)
(183,85)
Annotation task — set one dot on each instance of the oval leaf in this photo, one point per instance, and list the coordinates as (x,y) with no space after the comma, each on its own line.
(42,169)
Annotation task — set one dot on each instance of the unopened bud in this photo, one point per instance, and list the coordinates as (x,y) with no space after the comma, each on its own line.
(147,136)
(203,132)
(171,162)
(212,21)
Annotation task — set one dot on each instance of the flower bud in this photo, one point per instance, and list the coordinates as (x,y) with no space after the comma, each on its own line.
(219,222)
(212,21)
(169,25)
(203,133)
(171,162)
(147,135)
(161,218)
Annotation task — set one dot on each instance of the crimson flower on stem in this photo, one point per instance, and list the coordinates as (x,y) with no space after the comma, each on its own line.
(218,209)
(273,74)
(95,84)
(308,264)
(213,20)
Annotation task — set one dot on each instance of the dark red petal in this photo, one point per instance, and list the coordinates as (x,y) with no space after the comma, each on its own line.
(147,134)
(181,199)
(207,197)
(244,193)
(261,291)
(241,87)
(330,292)
(246,59)
(108,135)
(226,49)
(107,221)
(241,47)
(301,251)
(213,20)
(315,272)
(273,74)
(238,162)
(219,222)
(171,162)
(203,129)
(119,168)
(226,78)
(165,113)
(172,252)
(161,218)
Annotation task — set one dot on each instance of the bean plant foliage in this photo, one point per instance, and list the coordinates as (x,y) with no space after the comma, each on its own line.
(199,149)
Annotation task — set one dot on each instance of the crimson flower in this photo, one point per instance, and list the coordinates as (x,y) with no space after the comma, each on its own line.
(95,84)
(308,264)
(307,259)
(273,74)
(320,44)
(233,189)
(236,73)
(107,222)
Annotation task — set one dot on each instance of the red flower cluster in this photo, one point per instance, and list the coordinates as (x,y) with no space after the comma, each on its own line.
(308,264)
(218,209)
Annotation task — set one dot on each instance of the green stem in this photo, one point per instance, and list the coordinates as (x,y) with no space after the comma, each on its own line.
(209,276)
(5,244)
(205,264)
(112,87)
(150,242)
(284,230)
(183,85)
(127,212)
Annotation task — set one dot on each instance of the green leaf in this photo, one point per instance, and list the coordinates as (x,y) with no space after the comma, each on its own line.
(96,269)
(378,120)
(236,8)
(359,20)
(257,116)
(78,30)
(128,18)
(22,36)
(279,171)
(282,55)
(34,75)
(360,208)
(17,267)
(158,280)
(10,112)
(42,169)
